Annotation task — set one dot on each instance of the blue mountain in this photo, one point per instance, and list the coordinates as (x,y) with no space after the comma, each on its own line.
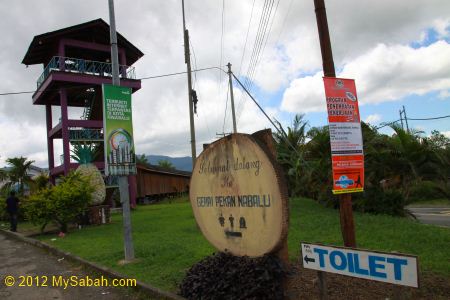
(180,163)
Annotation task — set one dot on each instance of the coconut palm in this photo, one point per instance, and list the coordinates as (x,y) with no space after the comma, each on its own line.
(18,172)
(142,160)
(166,164)
(85,154)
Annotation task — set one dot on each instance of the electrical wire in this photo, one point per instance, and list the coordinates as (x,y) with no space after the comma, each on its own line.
(226,108)
(426,119)
(221,43)
(284,22)
(88,86)
(246,38)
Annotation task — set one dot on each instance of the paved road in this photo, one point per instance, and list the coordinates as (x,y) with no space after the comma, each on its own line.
(21,259)
(432,215)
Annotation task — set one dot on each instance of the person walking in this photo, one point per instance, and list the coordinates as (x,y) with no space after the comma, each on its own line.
(12,206)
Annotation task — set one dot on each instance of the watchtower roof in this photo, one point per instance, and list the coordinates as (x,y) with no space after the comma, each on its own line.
(93,31)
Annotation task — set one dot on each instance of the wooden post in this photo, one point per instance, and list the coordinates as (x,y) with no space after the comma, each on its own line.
(322,283)
(346,216)
(345,200)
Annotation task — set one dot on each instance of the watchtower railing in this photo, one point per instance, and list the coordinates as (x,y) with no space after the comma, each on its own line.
(82,66)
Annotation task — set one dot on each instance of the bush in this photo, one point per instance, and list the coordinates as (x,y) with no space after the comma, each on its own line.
(378,201)
(60,204)
(425,190)
(224,276)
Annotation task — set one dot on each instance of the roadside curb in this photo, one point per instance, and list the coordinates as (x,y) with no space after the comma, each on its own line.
(141,286)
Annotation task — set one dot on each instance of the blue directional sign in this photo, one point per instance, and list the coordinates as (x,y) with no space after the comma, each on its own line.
(386,267)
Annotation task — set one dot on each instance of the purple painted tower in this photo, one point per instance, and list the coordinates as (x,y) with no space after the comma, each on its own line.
(76,63)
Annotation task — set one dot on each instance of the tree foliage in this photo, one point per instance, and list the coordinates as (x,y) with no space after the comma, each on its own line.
(142,160)
(17,173)
(60,204)
(166,164)
(396,166)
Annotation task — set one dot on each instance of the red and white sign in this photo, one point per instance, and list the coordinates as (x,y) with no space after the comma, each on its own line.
(345,135)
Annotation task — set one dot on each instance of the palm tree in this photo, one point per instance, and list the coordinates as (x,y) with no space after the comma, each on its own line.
(18,172)
(290,152)
(413,158)
(142,160)
(166,164)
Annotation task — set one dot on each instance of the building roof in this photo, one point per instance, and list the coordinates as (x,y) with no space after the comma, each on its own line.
(93,31)
(158,169)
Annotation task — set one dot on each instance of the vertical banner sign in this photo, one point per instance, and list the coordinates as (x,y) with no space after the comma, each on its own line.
(118,131)
(345,135)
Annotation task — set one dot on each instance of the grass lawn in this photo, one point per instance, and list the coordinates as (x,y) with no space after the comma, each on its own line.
(431,203)
(167,241)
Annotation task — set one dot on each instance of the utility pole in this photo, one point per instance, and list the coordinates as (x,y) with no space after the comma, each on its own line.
(345,200)
(406,119)
(123,180)
(232,98)
(401,118)
(187,60)
(403,115)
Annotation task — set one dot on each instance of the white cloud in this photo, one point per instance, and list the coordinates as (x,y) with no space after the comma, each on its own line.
(368,39)
(442,27)
(444,94)
(305,95)
(385,73)
(372,119)
(446,133)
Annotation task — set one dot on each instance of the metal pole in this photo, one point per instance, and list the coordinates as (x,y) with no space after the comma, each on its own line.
(123,180)
(113,38)
(345,200)
(232,98)
(401,118)
(406,119)
(187,60)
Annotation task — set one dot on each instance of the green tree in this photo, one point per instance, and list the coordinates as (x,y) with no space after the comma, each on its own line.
(60,204)
(142,160)
(290,152)
(40,182)
(166,164)
(18,172)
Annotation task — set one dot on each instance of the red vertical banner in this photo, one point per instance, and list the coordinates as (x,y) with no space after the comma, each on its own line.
(345,135)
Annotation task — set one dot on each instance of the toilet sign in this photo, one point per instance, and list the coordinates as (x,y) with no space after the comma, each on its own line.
(386,267)
(239,197)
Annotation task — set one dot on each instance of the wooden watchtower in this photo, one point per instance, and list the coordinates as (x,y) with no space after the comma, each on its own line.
(76,63)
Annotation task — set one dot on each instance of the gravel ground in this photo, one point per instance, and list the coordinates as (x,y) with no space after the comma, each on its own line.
(303,284)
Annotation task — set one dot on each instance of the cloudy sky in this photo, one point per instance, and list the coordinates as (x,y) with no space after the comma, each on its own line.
(397,51)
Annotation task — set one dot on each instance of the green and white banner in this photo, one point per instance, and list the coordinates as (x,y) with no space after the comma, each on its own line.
(118,131)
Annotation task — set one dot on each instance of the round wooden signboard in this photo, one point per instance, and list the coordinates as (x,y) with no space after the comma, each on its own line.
(239,198)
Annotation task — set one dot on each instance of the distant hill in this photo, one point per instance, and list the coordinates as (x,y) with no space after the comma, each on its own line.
(180,163)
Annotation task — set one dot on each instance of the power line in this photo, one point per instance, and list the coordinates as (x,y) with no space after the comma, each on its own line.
(284,22)
(246,37)
(225,115)
(179,73)
(259,45)
(221,41)
(82,86)
(384,124)
(426,119)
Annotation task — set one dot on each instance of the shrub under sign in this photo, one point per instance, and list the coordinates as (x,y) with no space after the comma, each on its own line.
(238,197)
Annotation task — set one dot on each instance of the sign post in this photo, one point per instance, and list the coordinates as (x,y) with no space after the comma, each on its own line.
(345,200)
(123,179)
(119,150)
(399,269)
(239,197)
